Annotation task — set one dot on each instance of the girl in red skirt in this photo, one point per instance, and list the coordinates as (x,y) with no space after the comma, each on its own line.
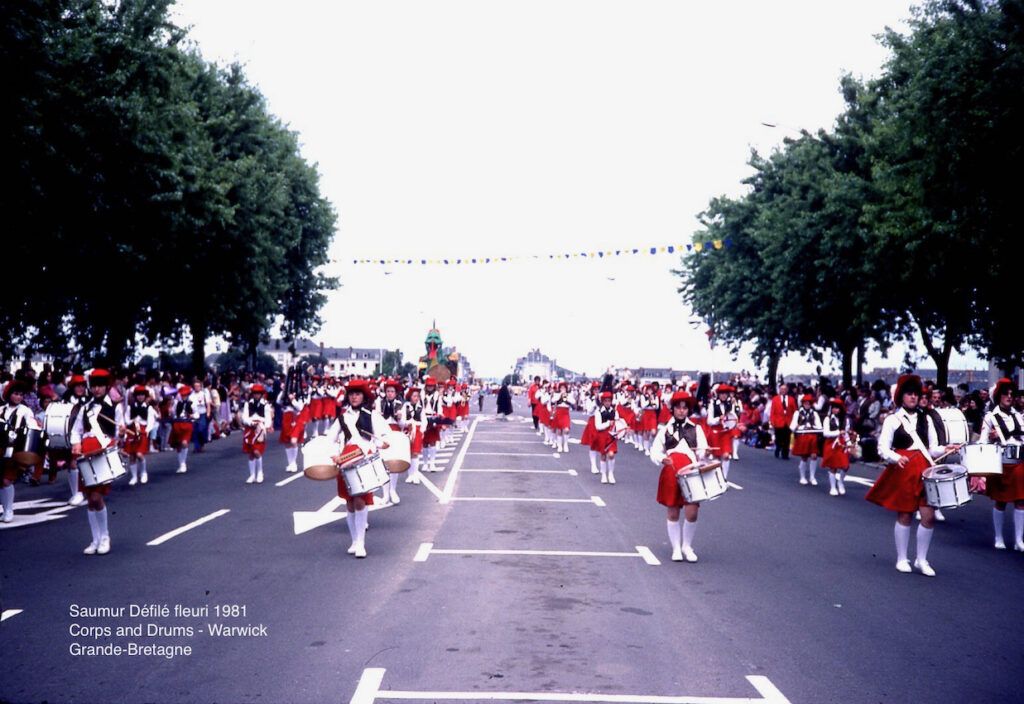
(650,407)
(605,418)
(257,419)
(624,406)
(587,439)
(293,426)
(561,421)
(678,444)
(907,439)
(184,415)
(414,423)
(1005,425)
(433,410)
(806,427)
(836,458)
(137,418)
(94,431)
(544,413)
(723,418)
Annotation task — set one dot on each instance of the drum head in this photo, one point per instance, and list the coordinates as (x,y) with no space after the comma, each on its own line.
(321,472)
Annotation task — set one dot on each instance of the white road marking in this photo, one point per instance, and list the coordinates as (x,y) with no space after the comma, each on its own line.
(734,485)
(513,454)
(305,521)
(428,549)
(598,501)
(370,682)
(647,555)
(431,486)
(571,472)
(187,527)
(8,613)
(529,499)
(449,486)
(27,519)
(290,479)
(578,422)
(859,480)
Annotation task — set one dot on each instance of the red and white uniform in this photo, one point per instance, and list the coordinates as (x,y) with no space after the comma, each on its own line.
(722,419)
(560,405)
(684,443)
(432,408)
(183,414)
(904,434)
(1006,428)
(293,424)
(390,410)
(836,457)
(604,423)
(137,419)
(414,422)
(95,434)
(257,421)
(806,427)
(353,430)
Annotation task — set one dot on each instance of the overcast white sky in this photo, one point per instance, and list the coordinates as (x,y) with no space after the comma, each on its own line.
(464,128)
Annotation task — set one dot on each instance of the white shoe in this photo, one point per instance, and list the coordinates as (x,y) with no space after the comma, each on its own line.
(351,549)
(814,482)
(833,492)
(999,544)
(133,481)
(803,482)
(104,546)
(677,555)
(917,515)
(416,480)
(259,477)
(8,516)
(939,516)
(611,478)
(604,478)
(181,469)
(291,468)
(594,470)
(1019,547)
(90,549)
(250,480)
(77,500)
(903,566)
(360,550)
(395,499)
(145,478)
(408,480)
(689,554)
(842,489)
(925,568)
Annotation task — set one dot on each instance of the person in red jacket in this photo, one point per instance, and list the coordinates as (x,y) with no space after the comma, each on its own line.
(532,397)
(781,415)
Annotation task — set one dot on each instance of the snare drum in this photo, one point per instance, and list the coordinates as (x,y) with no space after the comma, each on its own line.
(316,459)
(620,428)
(101,468)
(982,460)
(28,447)
(58,426)
(396,455)
(946,486)
(365,475)
(705,482)
(1012,454)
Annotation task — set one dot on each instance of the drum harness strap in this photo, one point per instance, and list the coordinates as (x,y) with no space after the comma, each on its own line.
(915,439)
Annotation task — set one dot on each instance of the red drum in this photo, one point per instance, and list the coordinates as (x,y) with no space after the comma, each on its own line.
(901,488)
(562,420)
(669,493)
(806,444)
(181,433)
(137,444)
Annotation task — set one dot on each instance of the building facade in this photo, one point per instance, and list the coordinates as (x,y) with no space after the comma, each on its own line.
(341,361)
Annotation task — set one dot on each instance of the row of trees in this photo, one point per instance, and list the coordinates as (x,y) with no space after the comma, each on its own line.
(149,192)
(898,224)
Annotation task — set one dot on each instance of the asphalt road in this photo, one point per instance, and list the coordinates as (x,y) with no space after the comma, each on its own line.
(795,596)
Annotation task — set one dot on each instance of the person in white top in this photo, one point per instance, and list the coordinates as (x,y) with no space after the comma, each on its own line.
(605,419)
(359,431)
(1005,425)
(677,445)
(414,423)
(15,416)
(806,427)
(257,421)
(134,420)
(94,431)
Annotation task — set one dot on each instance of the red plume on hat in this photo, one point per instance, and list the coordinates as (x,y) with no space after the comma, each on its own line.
(1003,386)
(906,382)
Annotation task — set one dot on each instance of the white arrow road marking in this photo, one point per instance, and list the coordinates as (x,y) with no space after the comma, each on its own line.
(38,503)
(289,480)
(449,485)
(368,691)
(187,527)
(733,485)
(53,514)
(305,521)
(592,500)
(859,480)
(570,472)
(8,613)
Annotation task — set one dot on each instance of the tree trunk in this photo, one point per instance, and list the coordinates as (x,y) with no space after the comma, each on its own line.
(773,370)
(847,353)
(860,362)
(942,365)
(198,328)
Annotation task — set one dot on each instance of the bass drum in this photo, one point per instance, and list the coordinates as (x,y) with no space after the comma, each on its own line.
(316,459)
(29,447)
(57,425)
(396,456)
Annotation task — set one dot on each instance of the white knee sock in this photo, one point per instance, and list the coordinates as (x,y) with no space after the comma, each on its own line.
(292,453)
(361,521)
(803,469)
(997,523)
(142,466)
(252,469)
(101,523)
(593,461)
(611,467)
(182,456)
(832,480)
(812,467)
(924,539)
(73,481)
(689,528)
(94,524)
(393,485)
(133,469)
(259,464)
(7,495)
(725,467)
(673,534)
(902,541)
(350,519)
(840,476)
(604,468)
(414,467)
(1018,525)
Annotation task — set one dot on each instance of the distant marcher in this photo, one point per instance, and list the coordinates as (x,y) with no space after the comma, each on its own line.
(505,401)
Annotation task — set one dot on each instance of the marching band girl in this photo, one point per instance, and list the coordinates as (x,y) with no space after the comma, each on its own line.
(450,411)
(183,418)
(1005,425)
(14,416)
(906,442)
(836,457)
(414,422)
(257,418)
(293,426)
(560,419)
(604,423)
(316,406)
(390,407)
(135,420)
(76,396)
(625,410)
(678,444)
(544,413)
(806,427)
(433,412)
(94,431)
(650,407)
(463,414)
(357,428)
(722,419)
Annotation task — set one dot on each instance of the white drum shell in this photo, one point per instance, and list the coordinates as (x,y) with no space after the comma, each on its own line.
(1013,453)
(702,486)
(318,452)
(58,426)
(946,486)
(957,430)
(398,448)
(983,460)
(365,476)
(101,468)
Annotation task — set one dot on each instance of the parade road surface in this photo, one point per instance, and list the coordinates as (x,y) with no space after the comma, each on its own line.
(513,575)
